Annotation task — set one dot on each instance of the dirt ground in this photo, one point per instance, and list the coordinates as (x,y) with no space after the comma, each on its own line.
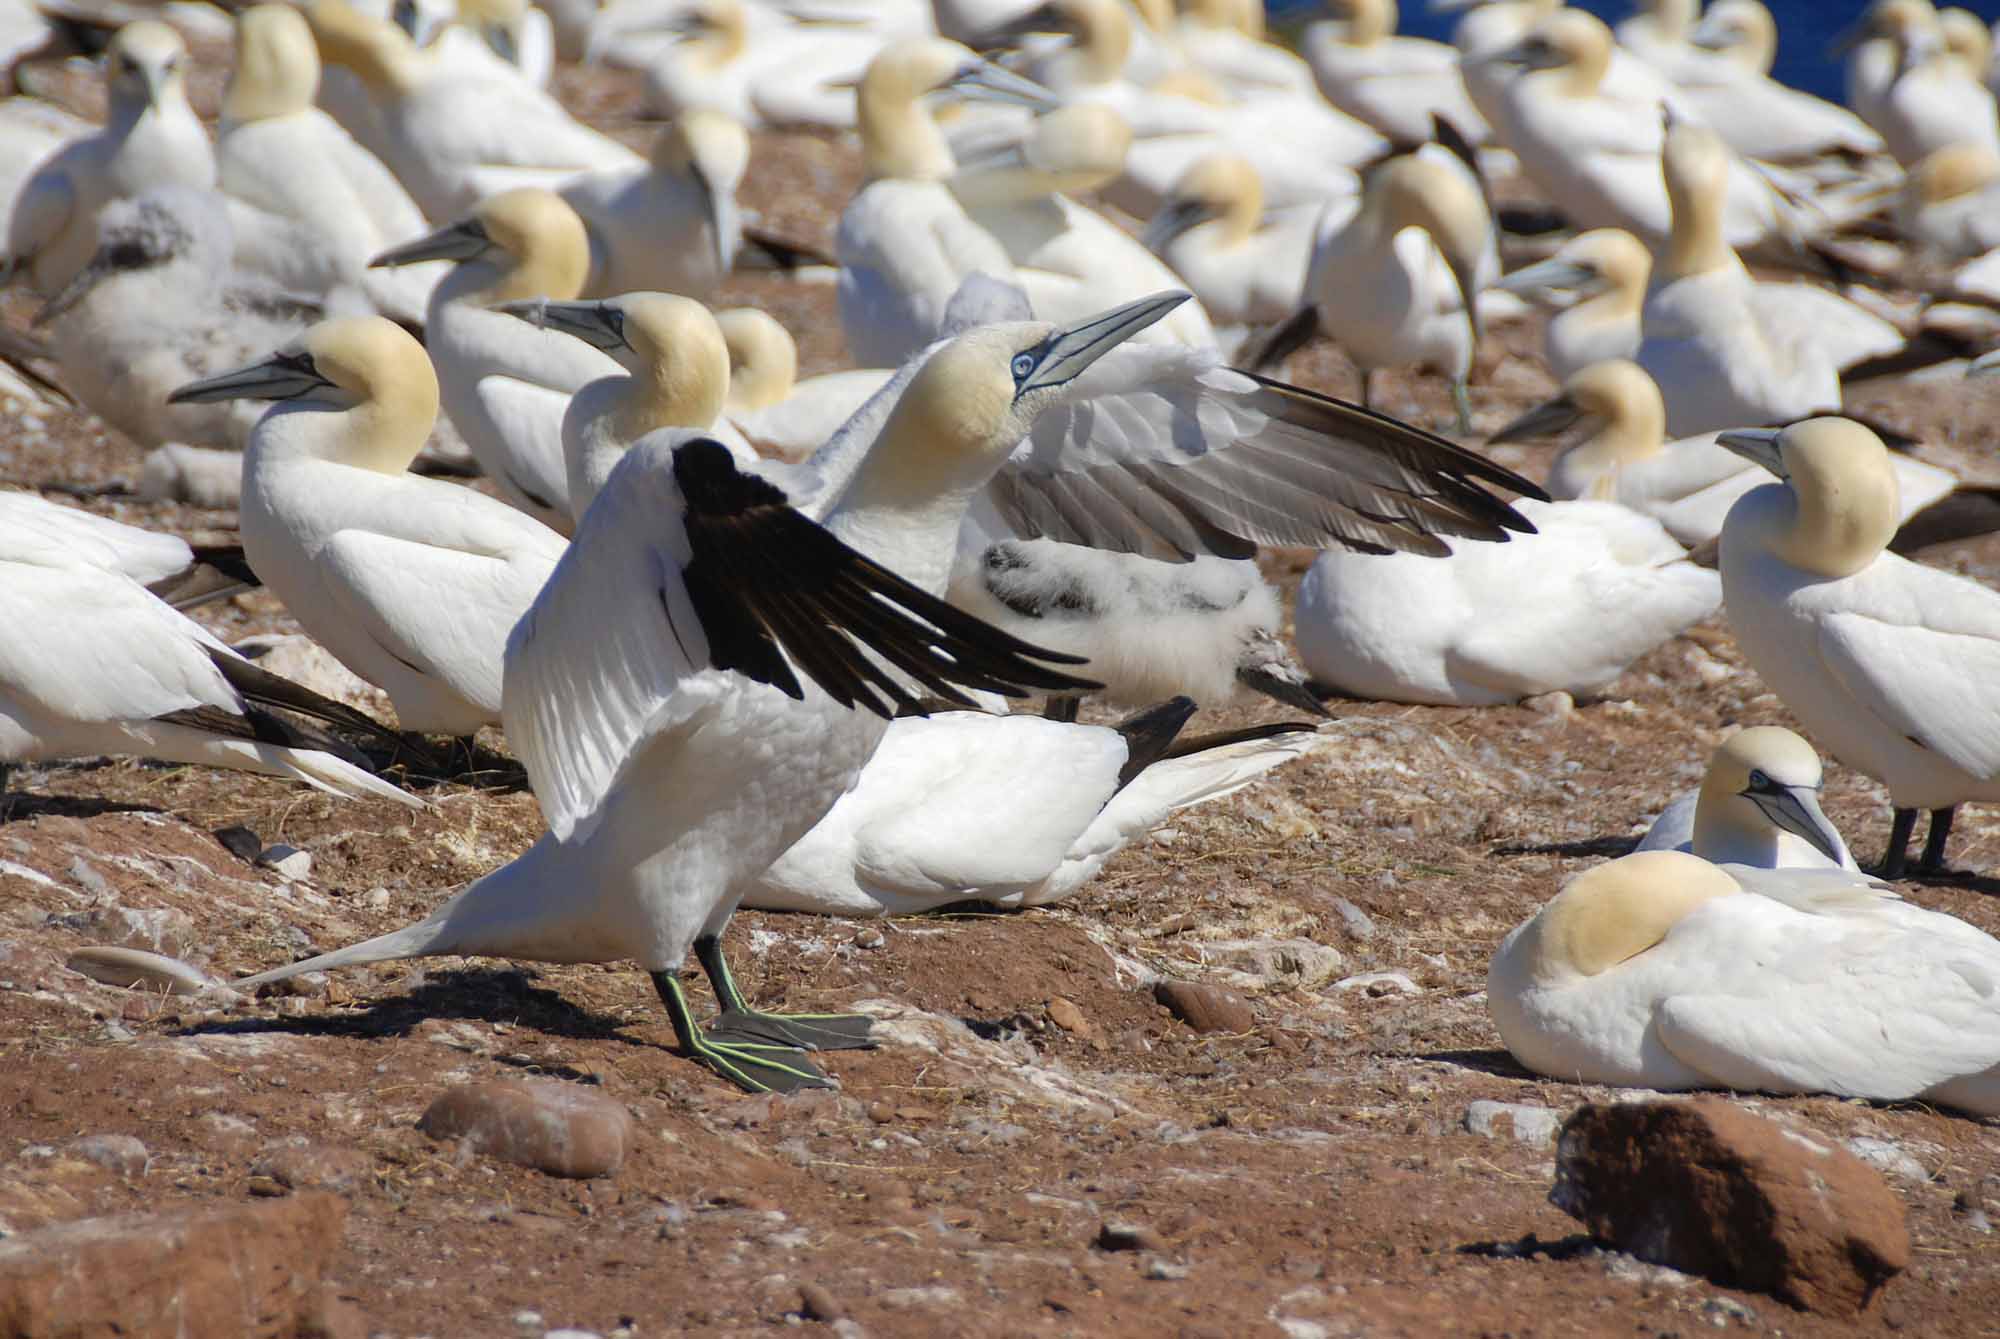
(1314,1176)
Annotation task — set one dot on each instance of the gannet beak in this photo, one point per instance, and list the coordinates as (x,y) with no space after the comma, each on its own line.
(1711,36)
(1555,282)
(463,240)
(601,325)
(1544,420)
(282,376)
(1174,218)
(1009,32)
(983,81)
(1985,365)
(71,293)
(1759,446)
(1530,53)
(1796,810)
(1070,349)
(502,42)
(1452,6)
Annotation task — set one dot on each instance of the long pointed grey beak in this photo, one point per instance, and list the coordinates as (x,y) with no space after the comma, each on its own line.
(1796,810)
(76,290)
(601,325)
(1711,36)
(983,81)
(1544,420)
(282,376)
(463,240)
(1070,349)
(1557,283)
(1759,446)
(1173,218)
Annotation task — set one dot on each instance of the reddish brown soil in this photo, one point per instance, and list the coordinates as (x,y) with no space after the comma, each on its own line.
(1312,1177)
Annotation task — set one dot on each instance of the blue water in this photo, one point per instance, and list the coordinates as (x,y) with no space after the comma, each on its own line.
(1806,28)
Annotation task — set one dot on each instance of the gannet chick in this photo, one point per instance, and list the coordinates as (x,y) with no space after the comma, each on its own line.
(1247,267)
(111,669)
(673,226)
(1395,84)
(160,304)
(917,831)
(1725,350)
(1758,805)
(1620,454)
(279,153)
(777,414)
(669,635)
(452,137)
(1661,970)
(670,370)
(1890,664)
(1568,607)
(506,385)
(1597,284)
(411,583)
(1396,281)
(150,139)
(1761,118)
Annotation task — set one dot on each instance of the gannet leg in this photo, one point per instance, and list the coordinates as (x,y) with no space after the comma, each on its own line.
(6,800)
(1900,828)
(1367,388)
(1061,709)
(1932,860)
(738,1021)
(1461,399)
(752,1066)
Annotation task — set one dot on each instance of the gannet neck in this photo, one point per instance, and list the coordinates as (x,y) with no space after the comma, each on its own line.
(899,137)
(1103,38)
(709,144)
(1630,410)
(1414,192)
(1157,15)
(763,359)
(1617,911)
(1847,504)
(381,55)
(277,66)
(1368,21)
(724,35)
(1696,167)
(1585,46)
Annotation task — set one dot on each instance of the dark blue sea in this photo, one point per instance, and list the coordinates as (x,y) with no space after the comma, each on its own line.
(1806,28)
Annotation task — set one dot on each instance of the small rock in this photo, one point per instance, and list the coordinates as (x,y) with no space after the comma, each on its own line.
(153,929)
(559,1128)
(1889,1158)
(240,842)
(267,1187)
(868,937)
(1205,1008)
(1160,1268)
(1526,1122)
(287,862)
(816,1303)
(1358,922)
(1378,984)
(119,1153)
(529,1323)
(1068,1017)
(1128,1237)
(1708,1188)
(1556,706)
(307,1166)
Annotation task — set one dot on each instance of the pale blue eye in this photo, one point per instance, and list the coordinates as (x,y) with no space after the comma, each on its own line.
(1023,364)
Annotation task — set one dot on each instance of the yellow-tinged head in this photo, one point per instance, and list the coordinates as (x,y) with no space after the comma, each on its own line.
(1221,188)
(1742,30)
(146,64)
(1762,781)
(1368,21)
(379,53)
(1844,502)
(531,243)
(277,65)
(763,358)
(1948,173)
(1618,910)
(1572,48)
(1441,196)
(1695,163)
(709,144)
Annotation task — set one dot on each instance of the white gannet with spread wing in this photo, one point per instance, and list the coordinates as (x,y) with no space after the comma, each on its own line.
(917,830)
(1892,666)
(111,669)
(673,226)
(504,384)
(1758,805)
(411,583)
(1661,970)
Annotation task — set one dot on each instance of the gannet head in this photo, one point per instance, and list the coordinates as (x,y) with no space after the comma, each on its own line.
(165,226)
(277,65)
(1839,506)
(1219,188)
(381,55)
(1953,171)
(366,367)
(1099,30)
(671,346)
(497,23)
(1602,262)
(1614,912)
(711,151)
(1619,415)
(763,358)
(1440,196)
(1572,46)
(1368,21)
(534,242)
(1695,163)
(1966,40)
(898,137)
(1067,151)
(1742,30)
(146,64)
(1762,780)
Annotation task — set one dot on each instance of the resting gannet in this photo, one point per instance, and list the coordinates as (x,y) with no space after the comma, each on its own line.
(753,63)
(673,631)
(1758,805)
(1929,100)
(1247,266)
(672,227)
(1568,607)
(1597,283)
(1661,970)
(1395,84)
(1891,665)
(151,138)
(411,583)
(165,565)
(1733,91)
(505,385)
(111,669)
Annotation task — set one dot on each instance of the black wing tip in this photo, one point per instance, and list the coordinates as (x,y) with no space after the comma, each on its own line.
(1150,733)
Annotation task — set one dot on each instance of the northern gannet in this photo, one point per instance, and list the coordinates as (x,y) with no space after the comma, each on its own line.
(517,32)
(916,832)
(1761,118)
(753,63)
(1566,608)
(411,583)
(1597,283)
(1758,805)
(1892,666)
(506,385)
(150,139)
(453,138)
(1929,101)
(166,565)
(1247,266)
(111,669)
(1949,209)
(672,227)
(1395,84)
(31,131)
(776,413)
(673,631)
(1661,970)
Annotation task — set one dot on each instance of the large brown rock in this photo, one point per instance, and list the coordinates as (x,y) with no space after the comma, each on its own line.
(1710,1189)
(252,1271)
(563,1129)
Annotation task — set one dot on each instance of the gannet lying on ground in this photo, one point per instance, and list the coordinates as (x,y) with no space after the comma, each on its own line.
(1661,970)
(1758,805)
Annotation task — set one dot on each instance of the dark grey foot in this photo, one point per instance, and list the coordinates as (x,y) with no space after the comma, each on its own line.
(1932,860)
(811,1032)
(1900,828)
